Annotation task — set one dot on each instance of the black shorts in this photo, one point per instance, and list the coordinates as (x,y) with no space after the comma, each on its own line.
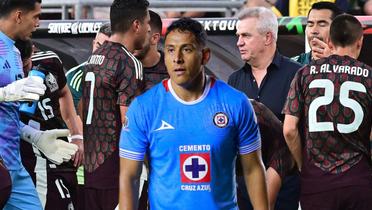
(5,185)
(60,192)
(101,199)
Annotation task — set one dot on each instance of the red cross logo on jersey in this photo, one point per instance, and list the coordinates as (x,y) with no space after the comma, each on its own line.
(195,168)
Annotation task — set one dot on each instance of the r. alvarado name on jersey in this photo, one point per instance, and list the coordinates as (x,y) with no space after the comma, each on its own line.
(195,163)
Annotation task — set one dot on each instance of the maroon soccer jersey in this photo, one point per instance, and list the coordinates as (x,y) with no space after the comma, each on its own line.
(155,74)
(275,152)
(112,78)
(332,99)
(47,115)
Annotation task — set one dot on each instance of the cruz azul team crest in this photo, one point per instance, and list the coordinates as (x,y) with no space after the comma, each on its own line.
(220,119)
(195,168)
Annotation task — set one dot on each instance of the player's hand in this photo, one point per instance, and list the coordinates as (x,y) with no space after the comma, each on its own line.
(26,89)
(78,158)
(56,150)
(320,49)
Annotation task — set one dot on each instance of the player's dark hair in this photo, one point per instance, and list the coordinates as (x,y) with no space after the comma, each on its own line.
(155,22)
(124,12)
(186,24)
(25,48)
(327,5)
(345,30)
(105,29)
(7,6)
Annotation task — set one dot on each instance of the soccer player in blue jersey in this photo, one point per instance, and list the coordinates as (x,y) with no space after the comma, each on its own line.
(18,19)
(191,127)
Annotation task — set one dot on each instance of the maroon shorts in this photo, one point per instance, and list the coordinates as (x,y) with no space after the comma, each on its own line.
(5,185)
(347,198)
(101,199)
(61,191)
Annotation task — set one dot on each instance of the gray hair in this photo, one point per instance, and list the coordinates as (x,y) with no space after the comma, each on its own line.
(267,21)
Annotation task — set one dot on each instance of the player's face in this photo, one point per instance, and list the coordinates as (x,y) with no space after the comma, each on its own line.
(250,42)
(184,58)
(28,22)
(143,30)
(99,40)
(140,54)
(318,24)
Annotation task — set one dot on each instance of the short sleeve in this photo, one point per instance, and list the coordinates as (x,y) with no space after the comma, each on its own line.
(249,134)
(129,80)
(295,99)
(133,140)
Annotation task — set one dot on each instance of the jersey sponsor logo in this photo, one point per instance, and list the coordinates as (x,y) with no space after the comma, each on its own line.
(220,119)
(195,168)
(51,82)
(6,65)
(165,126)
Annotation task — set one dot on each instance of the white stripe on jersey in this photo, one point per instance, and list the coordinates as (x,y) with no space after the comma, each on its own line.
(44,55)
(74,68)
(76,80)
(137,65)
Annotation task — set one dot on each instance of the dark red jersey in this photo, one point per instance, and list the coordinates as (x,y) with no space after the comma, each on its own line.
(47,115)
(155,74)
(112,78)
(332,99)
(275,152)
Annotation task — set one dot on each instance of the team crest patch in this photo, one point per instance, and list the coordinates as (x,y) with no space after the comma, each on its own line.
(220,119)
(51,82)
(195,168)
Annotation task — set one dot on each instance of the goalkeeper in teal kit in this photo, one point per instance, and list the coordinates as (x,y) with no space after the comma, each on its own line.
(191,128)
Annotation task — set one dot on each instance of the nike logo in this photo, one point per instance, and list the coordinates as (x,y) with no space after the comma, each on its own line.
(165,126)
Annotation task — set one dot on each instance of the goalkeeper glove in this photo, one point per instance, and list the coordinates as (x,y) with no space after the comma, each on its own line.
(56,150)
(26,89)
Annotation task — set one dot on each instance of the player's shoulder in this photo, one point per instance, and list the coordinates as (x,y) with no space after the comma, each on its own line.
(45,55)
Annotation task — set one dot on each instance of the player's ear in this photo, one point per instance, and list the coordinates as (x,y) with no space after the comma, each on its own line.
(206,55)
(155,38)
(136,24)
(360,43)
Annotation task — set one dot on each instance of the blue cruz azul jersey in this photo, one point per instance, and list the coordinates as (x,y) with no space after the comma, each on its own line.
(10,70)
(191,146)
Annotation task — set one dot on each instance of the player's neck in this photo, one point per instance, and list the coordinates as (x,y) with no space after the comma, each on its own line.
(151,59)
(7,29)
(191,91)
(342,51)
(123,39)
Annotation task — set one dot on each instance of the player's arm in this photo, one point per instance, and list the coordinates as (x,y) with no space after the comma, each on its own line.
(130,171)
(292,137)
(254,176)
(73,122)
(123,112)
(274,183)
